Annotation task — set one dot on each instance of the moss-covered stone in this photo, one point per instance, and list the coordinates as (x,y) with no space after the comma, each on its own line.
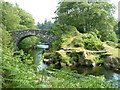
(51,58)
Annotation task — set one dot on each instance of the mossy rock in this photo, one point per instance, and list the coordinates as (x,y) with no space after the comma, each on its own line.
(106,54)
(91,57)
(52,57)
(64,57)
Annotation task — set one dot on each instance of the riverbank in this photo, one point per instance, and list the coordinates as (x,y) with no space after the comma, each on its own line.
(97,71)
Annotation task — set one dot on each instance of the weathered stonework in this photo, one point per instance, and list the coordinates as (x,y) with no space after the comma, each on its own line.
(19,35)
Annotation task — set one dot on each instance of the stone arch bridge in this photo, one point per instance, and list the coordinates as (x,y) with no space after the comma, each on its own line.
(19,35)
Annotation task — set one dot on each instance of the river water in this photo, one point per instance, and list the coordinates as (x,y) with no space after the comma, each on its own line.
(100,70)
(97,71)
(37,55)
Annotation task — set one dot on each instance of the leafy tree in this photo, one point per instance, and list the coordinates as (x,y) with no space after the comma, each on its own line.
(45,25)
(38,25)
(10,17)
(26,19)
(14,18)
(117,29)
(87,17)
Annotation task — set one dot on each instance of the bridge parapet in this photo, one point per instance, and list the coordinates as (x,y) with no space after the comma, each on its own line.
(19,35)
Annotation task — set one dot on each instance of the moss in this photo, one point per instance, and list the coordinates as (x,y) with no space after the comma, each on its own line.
(106,54)
(65,58)
(91,57)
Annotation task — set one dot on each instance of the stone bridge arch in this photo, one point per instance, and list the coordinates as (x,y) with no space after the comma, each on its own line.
(19,35)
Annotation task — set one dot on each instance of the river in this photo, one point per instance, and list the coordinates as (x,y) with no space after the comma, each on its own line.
(97,71)
(37,56)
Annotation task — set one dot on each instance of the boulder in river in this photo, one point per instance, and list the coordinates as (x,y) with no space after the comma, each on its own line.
(112,62)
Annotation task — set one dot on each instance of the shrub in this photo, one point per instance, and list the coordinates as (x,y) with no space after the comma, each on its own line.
(62,34)
(88,41)
(65,78)
(102,60)
(79,44)
(111,43)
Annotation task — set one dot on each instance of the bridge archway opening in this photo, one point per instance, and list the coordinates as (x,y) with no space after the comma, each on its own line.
(28,41)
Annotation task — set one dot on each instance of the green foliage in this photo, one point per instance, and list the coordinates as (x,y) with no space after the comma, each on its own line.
(99,60)
(26,19)
(5,41)
(62,33)
(108,35)
(10,18)
(116,29)
(73,59)
(21,74)
(76,44)
(5,38)
(45,25)
(111,43)
(69,32)
(88,41)
(17,74)
(29,42)
(75,56)
(14,18)
(88,17)
(57,43)
(18,68)
(14,72)
(65,78)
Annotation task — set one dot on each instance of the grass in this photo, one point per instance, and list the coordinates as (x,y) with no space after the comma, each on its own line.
(67,42)
(113,50)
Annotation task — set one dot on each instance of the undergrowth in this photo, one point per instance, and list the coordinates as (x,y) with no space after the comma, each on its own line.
(65,78)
